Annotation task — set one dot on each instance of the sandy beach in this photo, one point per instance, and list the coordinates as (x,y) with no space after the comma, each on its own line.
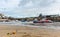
(25,31)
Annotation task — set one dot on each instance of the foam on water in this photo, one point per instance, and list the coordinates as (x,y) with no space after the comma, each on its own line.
(47,25)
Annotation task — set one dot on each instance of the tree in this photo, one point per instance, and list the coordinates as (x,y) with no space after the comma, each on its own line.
(11,18)
(40,15)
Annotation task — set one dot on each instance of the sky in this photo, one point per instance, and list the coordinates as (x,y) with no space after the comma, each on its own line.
(29,8)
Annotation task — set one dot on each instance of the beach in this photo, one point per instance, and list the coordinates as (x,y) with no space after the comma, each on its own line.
(26,31)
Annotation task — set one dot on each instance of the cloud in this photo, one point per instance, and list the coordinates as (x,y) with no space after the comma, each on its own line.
(29,8)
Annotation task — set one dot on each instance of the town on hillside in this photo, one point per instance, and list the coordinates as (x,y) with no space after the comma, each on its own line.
(55,18)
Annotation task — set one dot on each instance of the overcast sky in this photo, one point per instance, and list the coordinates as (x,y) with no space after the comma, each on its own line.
(29,8)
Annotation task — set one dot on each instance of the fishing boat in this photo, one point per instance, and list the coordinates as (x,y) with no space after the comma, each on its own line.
(44,20)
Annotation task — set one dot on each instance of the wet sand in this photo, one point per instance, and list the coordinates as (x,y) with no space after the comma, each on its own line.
(25,31)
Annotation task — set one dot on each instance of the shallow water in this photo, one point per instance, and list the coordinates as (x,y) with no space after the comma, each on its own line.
(55,25)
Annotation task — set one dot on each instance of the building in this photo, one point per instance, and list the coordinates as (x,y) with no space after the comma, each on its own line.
(3,18)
